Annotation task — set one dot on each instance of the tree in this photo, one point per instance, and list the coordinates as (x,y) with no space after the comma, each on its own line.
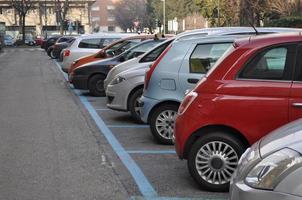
(22,8)
(61,12)
(253,11)
(128,11)
(150,19)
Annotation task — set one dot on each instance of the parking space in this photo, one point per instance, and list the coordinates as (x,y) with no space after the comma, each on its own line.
(148,170)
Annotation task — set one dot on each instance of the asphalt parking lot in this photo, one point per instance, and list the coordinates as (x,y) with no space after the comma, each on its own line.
(60,143)
(152,170)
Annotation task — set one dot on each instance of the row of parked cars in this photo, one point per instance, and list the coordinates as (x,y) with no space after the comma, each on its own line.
(213,93)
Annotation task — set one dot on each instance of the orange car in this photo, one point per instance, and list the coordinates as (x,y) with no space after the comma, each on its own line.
(111,50)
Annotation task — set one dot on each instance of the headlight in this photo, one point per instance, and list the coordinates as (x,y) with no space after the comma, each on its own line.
(266,174)
(117,80)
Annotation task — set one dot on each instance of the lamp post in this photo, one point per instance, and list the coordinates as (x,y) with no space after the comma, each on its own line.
(164,16)
(45,17)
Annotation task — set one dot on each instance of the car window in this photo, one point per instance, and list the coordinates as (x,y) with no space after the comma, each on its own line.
(205,56)
(267,65)
(90,43)
(63,39)
(140,49)
(154,54)
(106,41)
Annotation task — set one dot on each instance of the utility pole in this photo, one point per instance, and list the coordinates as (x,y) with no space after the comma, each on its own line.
(164,16)
(45,17)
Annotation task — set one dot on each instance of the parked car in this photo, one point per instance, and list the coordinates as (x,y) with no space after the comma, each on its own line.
(125,82)
(113,49)
(91,76)
(49,41)
(28,40)
(166,85)
(272,168)
(39,40)
(87,45)
(9,40)
(55,50)
(252,90)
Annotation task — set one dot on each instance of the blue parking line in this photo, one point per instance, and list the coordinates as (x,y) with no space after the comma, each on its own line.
(175,198)
(142,182)
(127,126)
(151,151)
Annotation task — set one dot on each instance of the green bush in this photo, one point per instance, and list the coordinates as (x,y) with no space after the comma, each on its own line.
(293,21)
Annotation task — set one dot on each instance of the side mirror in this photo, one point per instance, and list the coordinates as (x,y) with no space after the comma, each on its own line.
(110,53)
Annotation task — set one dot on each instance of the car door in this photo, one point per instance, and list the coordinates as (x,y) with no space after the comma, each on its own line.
(257,100)
(295,101)
(199,59)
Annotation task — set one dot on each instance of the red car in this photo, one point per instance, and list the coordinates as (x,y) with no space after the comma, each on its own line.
(255,88)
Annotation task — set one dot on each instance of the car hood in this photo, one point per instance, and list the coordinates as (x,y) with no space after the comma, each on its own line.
(289,135)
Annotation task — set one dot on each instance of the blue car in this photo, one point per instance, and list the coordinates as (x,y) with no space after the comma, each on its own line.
(9,40)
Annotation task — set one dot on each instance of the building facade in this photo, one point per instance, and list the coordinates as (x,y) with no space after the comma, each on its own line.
(102,16)
(43,16)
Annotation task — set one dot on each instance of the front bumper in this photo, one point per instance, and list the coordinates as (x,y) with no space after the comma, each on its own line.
(80,82)
(240,191)
(117,96)
(146,105)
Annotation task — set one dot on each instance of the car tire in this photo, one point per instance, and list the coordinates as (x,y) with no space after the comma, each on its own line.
(49,50)
(163,132)
(96,85)
(209,154)
(133,104)
(52,56)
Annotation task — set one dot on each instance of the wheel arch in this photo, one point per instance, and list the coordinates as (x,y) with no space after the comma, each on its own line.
(211,128)
(174,102)
(131,93)
(93,74)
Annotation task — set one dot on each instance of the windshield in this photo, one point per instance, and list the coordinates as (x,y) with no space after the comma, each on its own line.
(140,49)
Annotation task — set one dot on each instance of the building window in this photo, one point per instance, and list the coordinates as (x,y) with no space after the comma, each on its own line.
(111,28)
(94,19)
(111,18)
(95,8)
(110,7)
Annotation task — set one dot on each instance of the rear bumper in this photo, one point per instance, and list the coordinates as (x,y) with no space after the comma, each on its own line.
(80,82)
(146,105)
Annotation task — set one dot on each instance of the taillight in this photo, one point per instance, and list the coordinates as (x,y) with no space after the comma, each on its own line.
(152,68)
(187,102)
(67,52)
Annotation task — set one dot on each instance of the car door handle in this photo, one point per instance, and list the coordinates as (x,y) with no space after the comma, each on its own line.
(297,105)
(193,80)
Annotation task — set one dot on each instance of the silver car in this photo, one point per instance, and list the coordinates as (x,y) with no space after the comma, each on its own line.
(272,168)
(126,81)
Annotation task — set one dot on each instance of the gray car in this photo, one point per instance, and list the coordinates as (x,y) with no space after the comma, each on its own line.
(272,168)
(126,81)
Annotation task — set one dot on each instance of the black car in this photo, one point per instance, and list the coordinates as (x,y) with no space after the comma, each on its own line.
(49,42)
(58,41)
(54,51)
(91,76)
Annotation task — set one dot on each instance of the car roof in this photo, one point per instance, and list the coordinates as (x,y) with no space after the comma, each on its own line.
(270,39)
(214,38)
(232,30)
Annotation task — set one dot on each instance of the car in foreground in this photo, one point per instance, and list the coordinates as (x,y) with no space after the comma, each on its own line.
(125,82)
(113,49)
(272,168)
(91,76)
(254,89)
(88,45)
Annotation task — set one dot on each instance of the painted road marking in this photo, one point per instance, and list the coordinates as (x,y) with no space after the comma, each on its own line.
(142,182)
(127,126)
(151,151)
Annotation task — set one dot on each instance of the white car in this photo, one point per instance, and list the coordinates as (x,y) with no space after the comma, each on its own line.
(87,45)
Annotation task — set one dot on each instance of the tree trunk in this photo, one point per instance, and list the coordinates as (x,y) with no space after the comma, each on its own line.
(23,29)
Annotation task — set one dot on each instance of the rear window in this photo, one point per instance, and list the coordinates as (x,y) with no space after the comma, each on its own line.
(205,56)
(93,43)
